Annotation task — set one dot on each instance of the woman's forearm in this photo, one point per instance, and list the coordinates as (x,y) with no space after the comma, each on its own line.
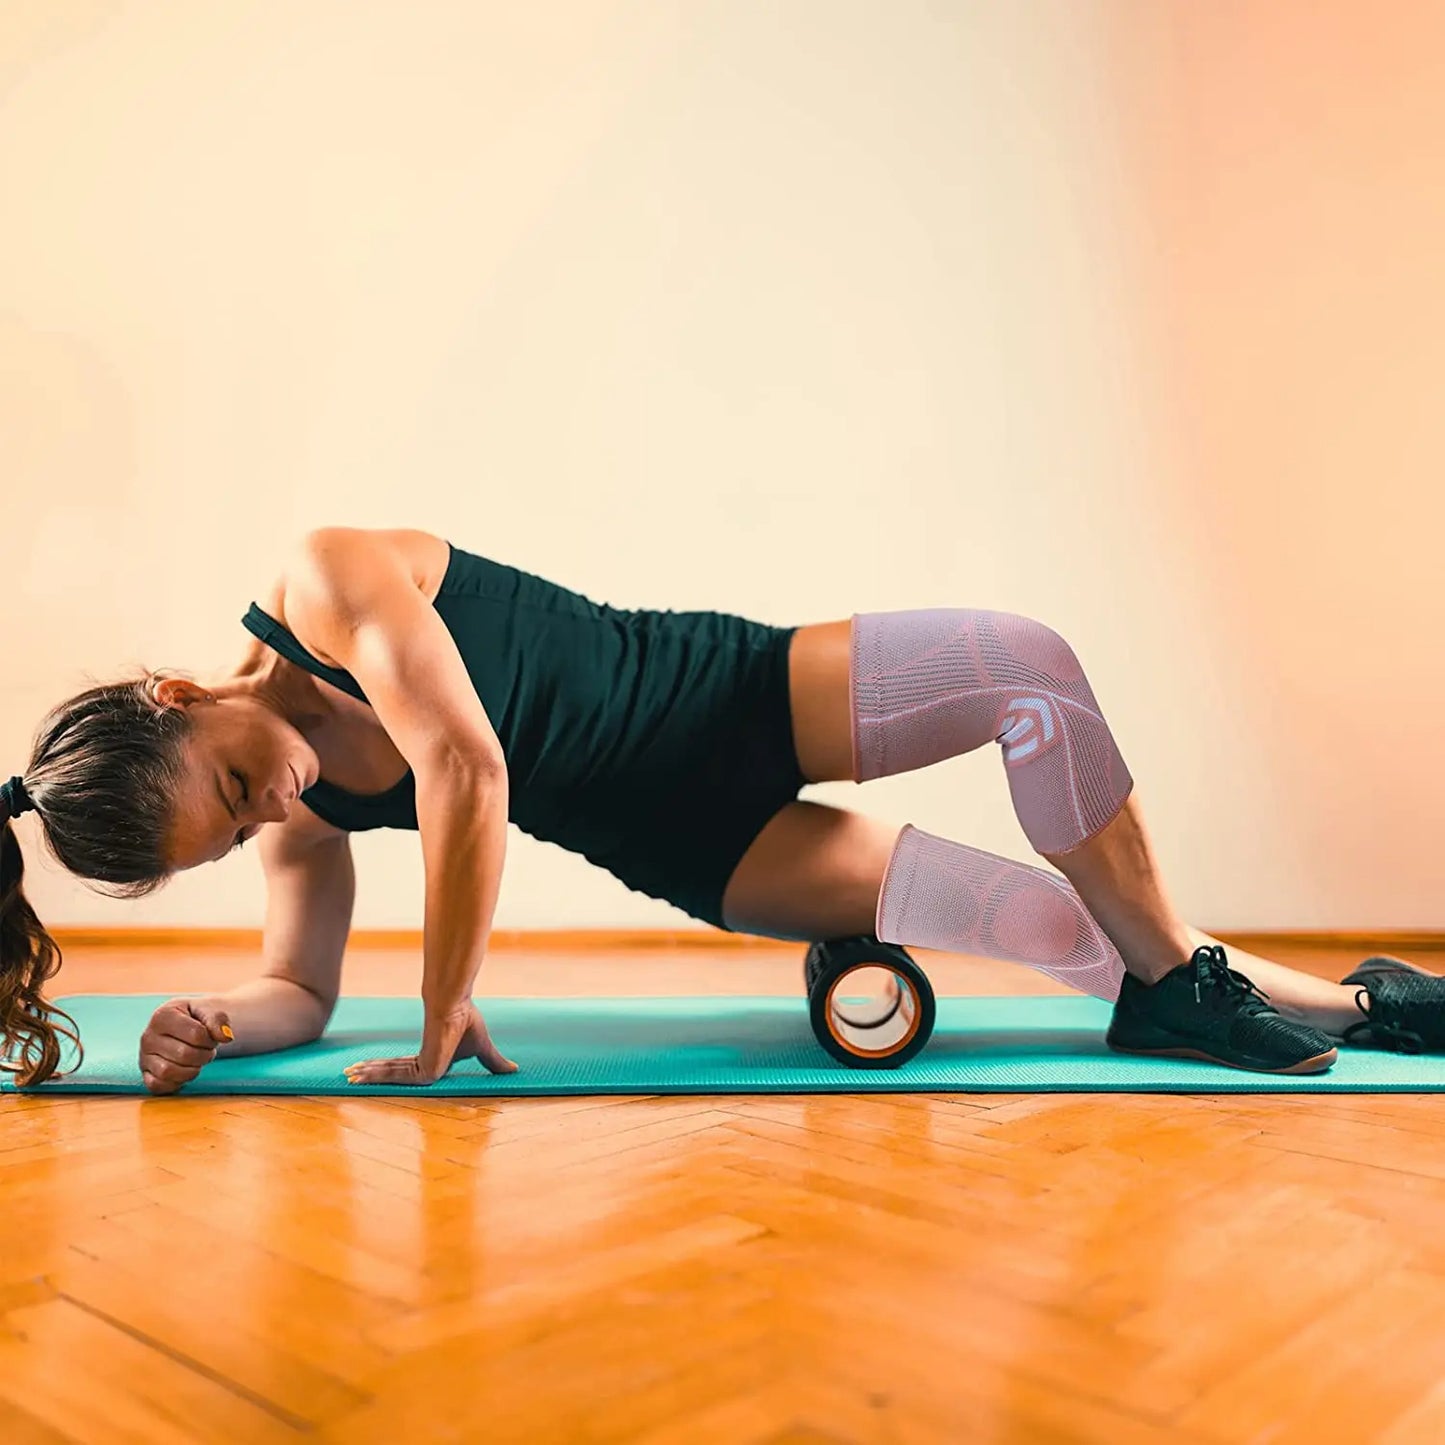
(270,1013)
(461,811)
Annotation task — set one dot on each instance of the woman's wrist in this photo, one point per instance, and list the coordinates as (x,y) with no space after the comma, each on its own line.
(438,1010)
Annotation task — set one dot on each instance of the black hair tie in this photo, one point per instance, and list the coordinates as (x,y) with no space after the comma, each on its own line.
(15,798)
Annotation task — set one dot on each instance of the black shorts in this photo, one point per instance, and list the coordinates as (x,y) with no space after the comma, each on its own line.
(682,827)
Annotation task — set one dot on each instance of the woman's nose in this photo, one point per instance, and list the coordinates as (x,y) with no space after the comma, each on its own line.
(272,807)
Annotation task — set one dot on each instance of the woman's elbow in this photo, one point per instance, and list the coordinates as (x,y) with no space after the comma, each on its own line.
(316,1013)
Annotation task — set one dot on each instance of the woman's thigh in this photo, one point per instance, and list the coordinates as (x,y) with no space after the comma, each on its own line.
(820,697)
(813,872)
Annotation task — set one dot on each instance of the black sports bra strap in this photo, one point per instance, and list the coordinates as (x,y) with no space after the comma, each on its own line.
(263,625)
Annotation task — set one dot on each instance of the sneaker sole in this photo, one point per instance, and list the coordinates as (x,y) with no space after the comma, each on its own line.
(1316,1065)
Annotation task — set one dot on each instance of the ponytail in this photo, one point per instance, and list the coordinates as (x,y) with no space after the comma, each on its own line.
(102,778)
(31,1029)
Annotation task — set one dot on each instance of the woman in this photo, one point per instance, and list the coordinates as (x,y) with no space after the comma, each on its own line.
(394,680)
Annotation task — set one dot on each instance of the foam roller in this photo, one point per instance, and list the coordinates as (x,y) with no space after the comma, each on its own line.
(879,1031)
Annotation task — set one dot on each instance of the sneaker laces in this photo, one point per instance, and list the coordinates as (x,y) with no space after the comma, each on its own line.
(1212,970)
(1387,1033)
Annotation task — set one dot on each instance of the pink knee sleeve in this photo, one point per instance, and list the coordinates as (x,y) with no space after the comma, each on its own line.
(938,894)
(931,684)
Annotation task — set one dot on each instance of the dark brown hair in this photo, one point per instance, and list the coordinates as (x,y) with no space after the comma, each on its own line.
(103,774)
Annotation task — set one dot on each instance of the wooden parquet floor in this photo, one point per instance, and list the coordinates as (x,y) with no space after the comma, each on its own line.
(748,1271)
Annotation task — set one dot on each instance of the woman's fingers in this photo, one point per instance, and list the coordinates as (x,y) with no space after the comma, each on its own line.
(490,1055)
(162,1046)
(215,1021)
(460,1035)
(158,1085)
(476,1042)
(175,1021)
(390,1071)
(161,1076)
(175,1047)
(493,1058)
(180,1040)
(155,1084)
(412,1072)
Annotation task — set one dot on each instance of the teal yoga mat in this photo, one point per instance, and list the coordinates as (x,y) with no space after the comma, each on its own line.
(719,1045)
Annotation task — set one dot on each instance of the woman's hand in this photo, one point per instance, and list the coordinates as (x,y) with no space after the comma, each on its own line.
(180,1040)
(459,1034)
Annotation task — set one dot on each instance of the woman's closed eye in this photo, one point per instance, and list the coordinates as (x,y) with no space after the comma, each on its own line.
(245,794)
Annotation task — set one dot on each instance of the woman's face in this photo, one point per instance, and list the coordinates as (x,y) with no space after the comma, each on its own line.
(246,767)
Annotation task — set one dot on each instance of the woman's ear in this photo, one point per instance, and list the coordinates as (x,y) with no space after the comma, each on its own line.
(177,691)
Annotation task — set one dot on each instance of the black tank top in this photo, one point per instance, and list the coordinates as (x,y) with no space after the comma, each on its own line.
(591,703)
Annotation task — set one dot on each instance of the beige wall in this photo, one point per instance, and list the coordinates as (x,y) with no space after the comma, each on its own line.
(1122,315)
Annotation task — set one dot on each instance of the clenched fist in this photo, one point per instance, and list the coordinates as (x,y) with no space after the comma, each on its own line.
(180,1040)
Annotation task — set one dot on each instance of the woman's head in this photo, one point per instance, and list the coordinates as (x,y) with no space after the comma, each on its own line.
(132,782)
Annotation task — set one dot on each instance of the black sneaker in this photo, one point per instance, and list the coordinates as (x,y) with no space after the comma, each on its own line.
(1406,1012)
(1205,1010)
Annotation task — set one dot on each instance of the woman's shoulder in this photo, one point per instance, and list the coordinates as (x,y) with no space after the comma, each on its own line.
(424,553)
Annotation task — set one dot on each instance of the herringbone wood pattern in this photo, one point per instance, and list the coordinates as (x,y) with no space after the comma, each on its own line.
(1121,1268)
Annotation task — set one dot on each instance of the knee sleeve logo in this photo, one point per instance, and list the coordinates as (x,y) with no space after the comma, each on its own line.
(1030,727)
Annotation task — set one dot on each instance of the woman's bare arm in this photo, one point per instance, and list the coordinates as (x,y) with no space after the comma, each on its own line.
(358,600)
(462,812)
(311,887)
(310,893)
(461,808)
